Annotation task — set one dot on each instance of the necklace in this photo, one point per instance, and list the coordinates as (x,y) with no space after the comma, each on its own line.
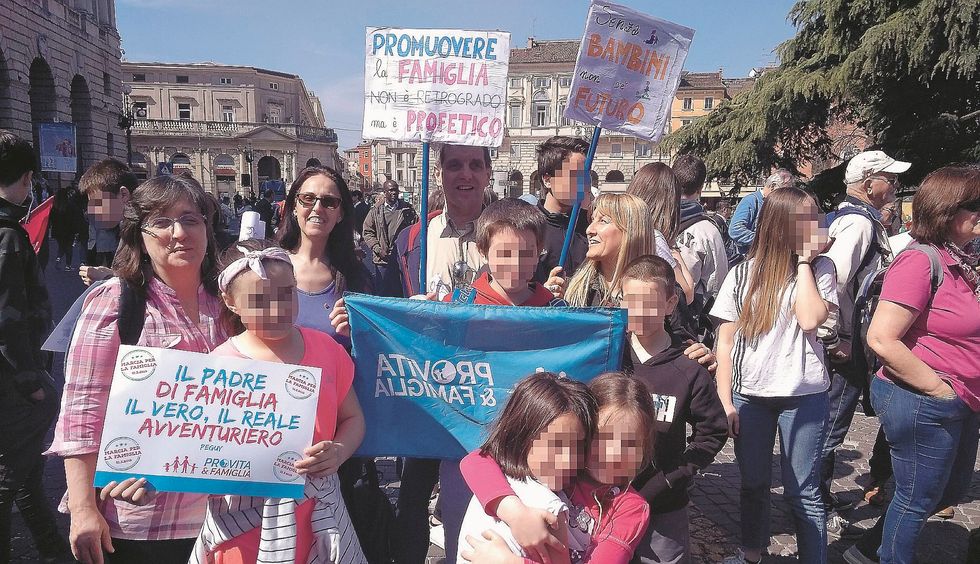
(968,266)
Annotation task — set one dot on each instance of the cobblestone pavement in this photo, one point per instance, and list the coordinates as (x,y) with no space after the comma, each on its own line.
(714,511)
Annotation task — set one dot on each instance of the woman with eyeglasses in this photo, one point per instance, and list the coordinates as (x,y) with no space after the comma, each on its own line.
(318,232)
(927,337)
(167,258)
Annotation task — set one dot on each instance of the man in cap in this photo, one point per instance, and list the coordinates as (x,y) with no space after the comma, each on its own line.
(860,247)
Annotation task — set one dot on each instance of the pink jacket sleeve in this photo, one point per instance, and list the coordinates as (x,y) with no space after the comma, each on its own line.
(485,479)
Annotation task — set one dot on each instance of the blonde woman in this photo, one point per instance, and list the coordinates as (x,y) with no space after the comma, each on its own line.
(771,373)
(656,185)
(620,231)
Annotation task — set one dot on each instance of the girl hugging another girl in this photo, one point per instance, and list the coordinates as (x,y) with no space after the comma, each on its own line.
(573,503)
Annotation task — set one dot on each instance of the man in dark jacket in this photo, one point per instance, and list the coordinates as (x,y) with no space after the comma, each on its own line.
(28,400)
(561,160)
(264,208)
(381,228)
(361,209)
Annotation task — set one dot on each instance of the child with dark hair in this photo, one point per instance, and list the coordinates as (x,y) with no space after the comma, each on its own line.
(684,394)
(561,164)
(607,517)
(107,185)
(509,234)
(539,441)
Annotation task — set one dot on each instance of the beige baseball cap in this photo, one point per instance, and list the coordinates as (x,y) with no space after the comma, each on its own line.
(872,162)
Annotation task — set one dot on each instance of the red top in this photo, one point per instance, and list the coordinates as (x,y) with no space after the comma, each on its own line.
(946,333)
(486,295)
(613,539)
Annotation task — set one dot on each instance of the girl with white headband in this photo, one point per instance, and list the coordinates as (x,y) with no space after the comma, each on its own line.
(258,288)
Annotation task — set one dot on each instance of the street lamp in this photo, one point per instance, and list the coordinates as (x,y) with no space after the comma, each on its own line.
(249,157)
(130,113)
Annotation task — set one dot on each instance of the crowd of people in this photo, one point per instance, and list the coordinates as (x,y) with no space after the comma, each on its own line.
(779,321)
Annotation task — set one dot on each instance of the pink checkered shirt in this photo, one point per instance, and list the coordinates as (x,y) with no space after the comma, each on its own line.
(90,363)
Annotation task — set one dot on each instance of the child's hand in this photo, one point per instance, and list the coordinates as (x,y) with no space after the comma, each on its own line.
(532,528)
(131,490)
(702,354)
(491,549)
(90,274)
(322,459)
(732,415)
(339,318)
(430,297)
(555,283)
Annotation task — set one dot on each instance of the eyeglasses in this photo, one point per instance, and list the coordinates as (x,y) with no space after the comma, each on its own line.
(163,223)
(972,206)
(308,200)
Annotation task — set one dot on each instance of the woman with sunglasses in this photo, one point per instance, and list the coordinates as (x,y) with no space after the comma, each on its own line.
(927,393)
(318,232)
(167,255)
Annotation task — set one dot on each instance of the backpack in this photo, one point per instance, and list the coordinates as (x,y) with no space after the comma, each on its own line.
(863,359)
(731,250)
(694,317)
(369,508)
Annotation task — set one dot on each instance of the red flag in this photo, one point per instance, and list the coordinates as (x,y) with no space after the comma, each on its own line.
(36,223)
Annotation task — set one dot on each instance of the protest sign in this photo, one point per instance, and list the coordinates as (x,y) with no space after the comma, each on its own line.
(627,72)
(432,376)
(443,85)
(57,142)
(192,422)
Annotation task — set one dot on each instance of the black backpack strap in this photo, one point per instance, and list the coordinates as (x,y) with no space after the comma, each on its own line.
(696,218)
(132,313)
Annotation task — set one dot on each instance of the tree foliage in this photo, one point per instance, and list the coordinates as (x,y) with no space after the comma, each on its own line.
(906,71)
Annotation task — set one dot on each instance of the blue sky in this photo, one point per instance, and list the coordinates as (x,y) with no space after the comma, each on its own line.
(323,40)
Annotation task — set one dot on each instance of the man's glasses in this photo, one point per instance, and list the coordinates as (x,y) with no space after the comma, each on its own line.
(972,206)
(308,200)
(161,223)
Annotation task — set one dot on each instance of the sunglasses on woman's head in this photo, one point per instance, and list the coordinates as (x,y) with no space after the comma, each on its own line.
(971,206)
(308,200)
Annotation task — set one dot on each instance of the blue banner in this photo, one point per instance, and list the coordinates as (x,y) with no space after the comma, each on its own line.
(431,376)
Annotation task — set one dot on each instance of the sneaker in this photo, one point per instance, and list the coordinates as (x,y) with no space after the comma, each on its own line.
(854,556)
(739,558)
(837,504)
(875,493)
(839,527)
(945,513)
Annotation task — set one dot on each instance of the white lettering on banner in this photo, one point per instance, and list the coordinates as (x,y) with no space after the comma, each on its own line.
(436,85)
(452,382)
(628,69)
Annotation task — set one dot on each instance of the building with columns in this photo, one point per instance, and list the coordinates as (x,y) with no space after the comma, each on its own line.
(232,127)
(59,62)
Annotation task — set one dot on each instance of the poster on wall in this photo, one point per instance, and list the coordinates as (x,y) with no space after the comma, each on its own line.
(199,423)
(628,70)
(437,85)
(58,149)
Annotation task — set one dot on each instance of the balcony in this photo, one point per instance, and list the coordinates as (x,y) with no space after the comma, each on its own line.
(182,128)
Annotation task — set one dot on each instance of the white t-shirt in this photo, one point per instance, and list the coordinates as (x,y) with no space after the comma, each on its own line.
(786,361)
(531,493)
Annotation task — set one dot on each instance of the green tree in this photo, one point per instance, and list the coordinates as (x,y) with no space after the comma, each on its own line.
(906,71)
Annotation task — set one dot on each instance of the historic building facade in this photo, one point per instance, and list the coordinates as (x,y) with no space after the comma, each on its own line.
(232,127)
(59,62)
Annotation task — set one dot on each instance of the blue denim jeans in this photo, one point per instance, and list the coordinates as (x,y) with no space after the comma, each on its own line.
(801,422)
(844,395)
(933,443)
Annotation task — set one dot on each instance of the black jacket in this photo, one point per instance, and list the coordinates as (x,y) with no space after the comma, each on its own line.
(554,238)
(25,312)
(684,393)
